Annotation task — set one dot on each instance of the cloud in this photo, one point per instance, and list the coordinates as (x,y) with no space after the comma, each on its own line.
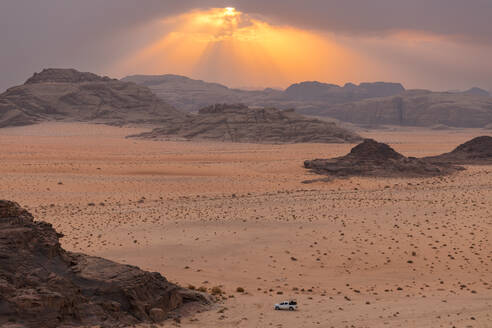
(391,34)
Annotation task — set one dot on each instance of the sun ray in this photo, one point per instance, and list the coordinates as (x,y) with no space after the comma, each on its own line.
(225,45)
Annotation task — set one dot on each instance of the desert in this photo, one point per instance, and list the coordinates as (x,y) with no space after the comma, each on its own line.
(361,252)
(251,164)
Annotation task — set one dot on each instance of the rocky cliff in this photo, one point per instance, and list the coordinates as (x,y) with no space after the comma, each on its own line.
(42,285)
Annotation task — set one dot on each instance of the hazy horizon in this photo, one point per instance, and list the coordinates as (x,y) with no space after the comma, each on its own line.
(440,46)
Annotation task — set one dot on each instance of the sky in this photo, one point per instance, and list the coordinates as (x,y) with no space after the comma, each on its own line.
(432,44)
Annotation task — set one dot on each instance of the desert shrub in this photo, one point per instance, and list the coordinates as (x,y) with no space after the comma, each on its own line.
(216,291)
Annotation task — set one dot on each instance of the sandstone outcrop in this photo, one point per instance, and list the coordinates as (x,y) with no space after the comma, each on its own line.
(42,285)
(239,123)
(70,95)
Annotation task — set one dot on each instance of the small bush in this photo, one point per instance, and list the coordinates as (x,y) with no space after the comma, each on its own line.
(202,289)
(216,291)
(240,290)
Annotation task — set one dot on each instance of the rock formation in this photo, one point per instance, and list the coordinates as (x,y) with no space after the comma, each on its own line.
(375,159)
(414,108)
(477,151)
(239,123)
(69,95)
(42,285)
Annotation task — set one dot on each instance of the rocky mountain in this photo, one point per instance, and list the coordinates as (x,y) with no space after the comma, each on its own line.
(375,159)
(239,123)
(69,95)
(42,285)
(473,152)
(191,95)
(413,108)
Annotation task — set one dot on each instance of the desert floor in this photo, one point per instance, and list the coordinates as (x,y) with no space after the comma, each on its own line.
(359,252)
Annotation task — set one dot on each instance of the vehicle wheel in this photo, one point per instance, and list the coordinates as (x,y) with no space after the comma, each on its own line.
(276,308)
(291,309)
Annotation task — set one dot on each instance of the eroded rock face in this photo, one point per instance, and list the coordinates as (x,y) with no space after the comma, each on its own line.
(414,108)
(70,95)
(239,123)
(372,158)
(475,151)
(42,285)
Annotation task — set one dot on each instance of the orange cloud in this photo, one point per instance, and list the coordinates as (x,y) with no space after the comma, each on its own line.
(227,46)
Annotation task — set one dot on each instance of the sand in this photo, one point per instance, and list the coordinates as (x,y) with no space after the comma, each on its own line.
(359,252)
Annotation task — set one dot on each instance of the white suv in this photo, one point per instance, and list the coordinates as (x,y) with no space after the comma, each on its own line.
(287,305)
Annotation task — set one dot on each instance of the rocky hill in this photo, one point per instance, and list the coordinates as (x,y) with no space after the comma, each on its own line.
(414,108)
(69,95)
(191,95)
(473,152)
(239,123)
(375,159)
(42,285)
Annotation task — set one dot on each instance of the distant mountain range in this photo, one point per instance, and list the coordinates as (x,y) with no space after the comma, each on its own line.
(369,104)
(70,95)
(191,95)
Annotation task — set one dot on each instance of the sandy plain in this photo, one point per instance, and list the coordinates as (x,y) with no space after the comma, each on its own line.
(359,252)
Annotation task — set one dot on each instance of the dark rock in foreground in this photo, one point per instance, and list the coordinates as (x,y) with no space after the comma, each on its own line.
(70,95)
(42,285)
(239,123)
(375,159)
(476,151)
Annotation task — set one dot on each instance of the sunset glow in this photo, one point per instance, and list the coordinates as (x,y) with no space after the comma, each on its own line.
(228,46)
